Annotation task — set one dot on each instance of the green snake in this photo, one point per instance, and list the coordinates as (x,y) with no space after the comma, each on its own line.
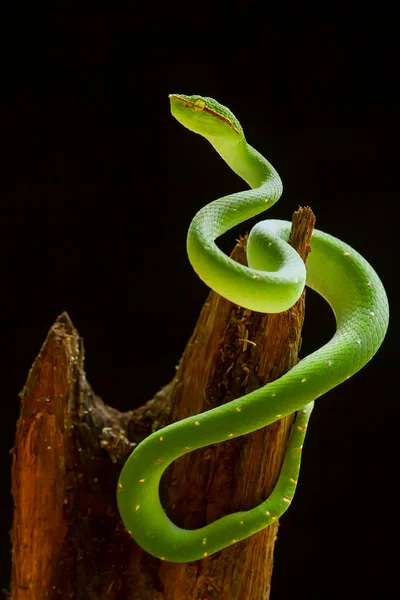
(271,283)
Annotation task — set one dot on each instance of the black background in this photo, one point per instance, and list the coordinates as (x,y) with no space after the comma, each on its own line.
(100,184)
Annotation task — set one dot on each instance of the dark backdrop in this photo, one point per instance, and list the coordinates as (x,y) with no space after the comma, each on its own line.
(100,184)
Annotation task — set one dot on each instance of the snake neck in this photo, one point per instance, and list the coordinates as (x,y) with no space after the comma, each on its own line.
(245,161)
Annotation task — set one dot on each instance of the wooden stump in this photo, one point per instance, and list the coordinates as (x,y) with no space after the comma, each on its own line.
(68,540)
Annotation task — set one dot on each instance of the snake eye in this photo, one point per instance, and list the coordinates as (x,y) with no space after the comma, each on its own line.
(199,105)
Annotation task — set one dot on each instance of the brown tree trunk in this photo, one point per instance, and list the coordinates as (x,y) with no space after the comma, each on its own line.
(68,540)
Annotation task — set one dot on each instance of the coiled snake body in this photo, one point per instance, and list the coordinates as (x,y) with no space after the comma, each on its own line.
(271,283)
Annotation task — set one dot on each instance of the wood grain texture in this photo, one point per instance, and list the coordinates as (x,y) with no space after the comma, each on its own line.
(68,540)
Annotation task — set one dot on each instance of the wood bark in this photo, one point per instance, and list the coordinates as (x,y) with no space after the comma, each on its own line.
(68,540)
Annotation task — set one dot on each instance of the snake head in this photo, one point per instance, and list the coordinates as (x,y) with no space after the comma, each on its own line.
(205,116)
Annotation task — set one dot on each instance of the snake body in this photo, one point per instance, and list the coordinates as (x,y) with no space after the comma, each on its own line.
(272,282)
